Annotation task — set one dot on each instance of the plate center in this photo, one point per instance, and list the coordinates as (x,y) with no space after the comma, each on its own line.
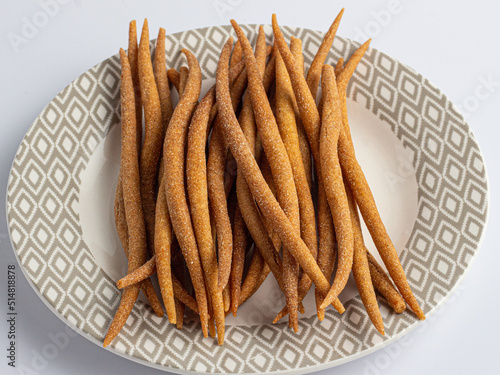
(387,166)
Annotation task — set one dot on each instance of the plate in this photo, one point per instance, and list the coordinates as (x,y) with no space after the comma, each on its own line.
(420,157)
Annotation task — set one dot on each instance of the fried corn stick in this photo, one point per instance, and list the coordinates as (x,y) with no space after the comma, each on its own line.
(173,151)
(134,67)
(314,73)
(163,244)
(160,73)
(296,49)
(331,126)
(153,136)
(384,285)
(131,198)
(196,174)
(285,118)
(367,206)
(241,241)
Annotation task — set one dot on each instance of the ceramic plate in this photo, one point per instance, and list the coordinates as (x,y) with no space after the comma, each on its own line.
(418,153)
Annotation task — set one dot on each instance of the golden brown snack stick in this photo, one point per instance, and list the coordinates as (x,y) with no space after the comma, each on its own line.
(137,244)
(182,295)
(173,76)
(311,121)
(338,68)
(178,269)
(216,166)
(173,151)
(183,77)
(196,175)
(121,225)
(134,67)
(314,73)
(261,193)
(296,49)
(163,245)
(153,136)
(254,271)
(241,241)
(366,203)
(268,177)
(160,72)
(343,79)
(285,118)
(236,56)
(143,272)
(226,296)
(361,269)
(331,125)
(122,229)
(384,285)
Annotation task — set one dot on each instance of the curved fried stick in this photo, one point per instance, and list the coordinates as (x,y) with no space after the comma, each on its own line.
(241,241)
(311,121)
(134,67)
(183,77)
(173,151)
(368,208)
(361,269)
(122,229)
(196,174)
(143,272)
(131,198)
(280,166)
(262,194)
(285,118)
(163,244)
(314,73)
(160,72)
(384,285)
(332,180)
(153,136)
(296,49)
(173,76)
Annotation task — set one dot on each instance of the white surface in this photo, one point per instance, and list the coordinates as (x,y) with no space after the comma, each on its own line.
(455,44)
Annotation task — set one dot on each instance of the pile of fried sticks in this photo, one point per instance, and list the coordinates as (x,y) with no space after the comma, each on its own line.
(291,207)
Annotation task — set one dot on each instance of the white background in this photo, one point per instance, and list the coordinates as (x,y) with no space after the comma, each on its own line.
(455,44)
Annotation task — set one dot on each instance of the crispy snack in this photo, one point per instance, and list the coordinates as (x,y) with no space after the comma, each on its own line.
(241,242)
(332,181)
(173,151)
(384,285)
(261,193)
(131,198)
(314,73)
(364,198)
(160,73)
(163,244)
(153,136)
(296,49)
(133,53)
(143,272)
(285,118)
(196,173)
